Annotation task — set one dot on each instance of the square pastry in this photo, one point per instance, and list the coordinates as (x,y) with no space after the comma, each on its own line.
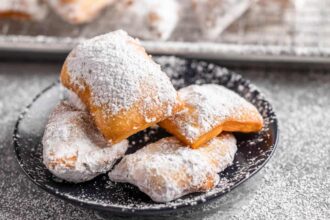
(167,169)
(209,110)
(122,87)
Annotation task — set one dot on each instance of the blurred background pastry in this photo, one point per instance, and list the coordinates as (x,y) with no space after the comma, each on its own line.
(147,19)
(79,11)
(23,9)
(214,16)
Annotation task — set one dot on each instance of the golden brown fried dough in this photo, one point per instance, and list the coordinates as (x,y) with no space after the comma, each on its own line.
(122,87)
(211,109)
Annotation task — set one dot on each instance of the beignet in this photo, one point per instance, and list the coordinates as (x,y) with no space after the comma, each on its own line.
(214,16)
(153,19)
(123,88)
(79,11)
(73,149)
(209,110)
(23,9)
(166,170)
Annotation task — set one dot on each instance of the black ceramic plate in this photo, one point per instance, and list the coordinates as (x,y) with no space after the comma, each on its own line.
(254,150)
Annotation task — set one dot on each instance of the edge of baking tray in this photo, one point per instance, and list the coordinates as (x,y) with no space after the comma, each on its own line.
(13,45)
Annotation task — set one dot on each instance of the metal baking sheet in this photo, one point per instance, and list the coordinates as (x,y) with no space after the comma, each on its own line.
(270,30)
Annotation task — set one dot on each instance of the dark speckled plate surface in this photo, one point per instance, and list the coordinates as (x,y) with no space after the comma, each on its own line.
(254,150)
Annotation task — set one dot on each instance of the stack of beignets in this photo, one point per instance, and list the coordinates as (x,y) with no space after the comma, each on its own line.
(122,91)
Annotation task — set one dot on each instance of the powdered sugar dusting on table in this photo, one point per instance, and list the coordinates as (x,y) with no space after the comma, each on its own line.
(119,74)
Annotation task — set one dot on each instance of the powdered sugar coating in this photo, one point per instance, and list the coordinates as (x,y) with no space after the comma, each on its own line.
(34,9)
(211,105)
(120,74)
(166,170)
(153,19)
(73,149)
(129,199)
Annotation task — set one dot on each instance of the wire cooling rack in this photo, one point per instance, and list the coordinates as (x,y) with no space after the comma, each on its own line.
(270,30)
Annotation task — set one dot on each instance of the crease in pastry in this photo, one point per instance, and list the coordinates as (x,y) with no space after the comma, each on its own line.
(23,9)
(122,87)
(153,19)
(79,11)
(73,148)
(72,99)
(167,169)
(211,109)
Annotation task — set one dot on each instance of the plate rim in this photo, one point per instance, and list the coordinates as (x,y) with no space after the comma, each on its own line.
(133,210)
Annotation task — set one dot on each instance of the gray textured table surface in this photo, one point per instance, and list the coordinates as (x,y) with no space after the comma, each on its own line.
(295,184)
